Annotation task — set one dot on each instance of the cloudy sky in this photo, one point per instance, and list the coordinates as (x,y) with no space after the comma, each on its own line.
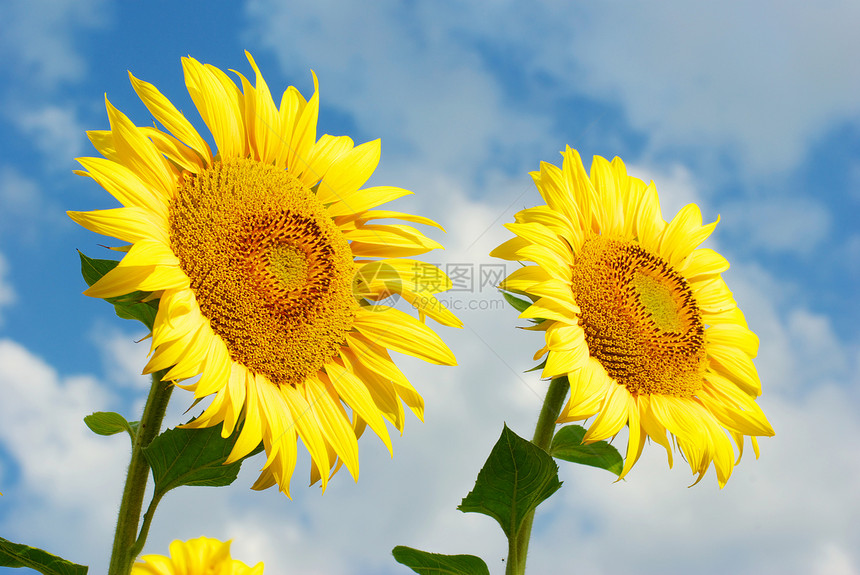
(750,109)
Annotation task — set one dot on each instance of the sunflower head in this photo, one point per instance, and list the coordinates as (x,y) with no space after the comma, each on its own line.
(268,260)
(201,556)
(635,316)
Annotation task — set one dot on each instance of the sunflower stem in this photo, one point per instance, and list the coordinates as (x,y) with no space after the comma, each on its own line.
(519,545)
(144,528)
(126,536)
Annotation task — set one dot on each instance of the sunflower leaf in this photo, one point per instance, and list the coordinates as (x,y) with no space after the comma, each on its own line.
(134,305)
(516,478)
(426,563)
(110,423)
(541,365)
(192,457)
(567,445)
(18,555)
(518,304)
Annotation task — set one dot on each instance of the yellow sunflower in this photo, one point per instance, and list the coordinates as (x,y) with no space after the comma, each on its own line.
(638,320)
(267,269)
(201,556)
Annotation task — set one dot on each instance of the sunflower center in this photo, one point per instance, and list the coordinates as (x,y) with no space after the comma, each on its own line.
(639,316)
(269,268)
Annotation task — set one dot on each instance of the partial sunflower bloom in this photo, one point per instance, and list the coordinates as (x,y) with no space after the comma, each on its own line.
(638,320)
(268,269)
(201,556)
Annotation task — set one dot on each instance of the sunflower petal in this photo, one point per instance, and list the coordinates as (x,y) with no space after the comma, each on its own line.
(401,332)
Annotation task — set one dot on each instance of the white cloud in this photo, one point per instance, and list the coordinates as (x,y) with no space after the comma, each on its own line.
(730,77)
(20,196)
(23,207)
(786,224)
(404,74)
(56,132)
(70,479)
(834,560)
(124,354)
(7,292)
(738,75)
(677,187)
(38,41)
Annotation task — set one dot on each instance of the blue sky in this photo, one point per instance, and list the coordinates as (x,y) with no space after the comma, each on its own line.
(750,109)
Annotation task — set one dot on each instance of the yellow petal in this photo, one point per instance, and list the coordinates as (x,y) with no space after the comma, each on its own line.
(652,426)
(123,280)
(304,133)
(608,185)
(401,332)
(102,140)
(712,295)
(343,179)
(389,241)
(149,252)
(509,250)
(140,155)
(237,386)
(581,190)
(732,335)
(588,386)
(171,118)
(381,390)
(548,308)
(218,108)
(252,426)
(702,263)
(684,234)
(124,185)
(649,224)
(557,264)
(539,234)
(563,361)
(358,200)
(614,413)
(177,152)
(358,398)
(524,278)
(333,422)
(216,368)
(376,358)
(732,407)
(553,220)
(737,366)
(127,224)
(636,439)
(308,429)
(322,156)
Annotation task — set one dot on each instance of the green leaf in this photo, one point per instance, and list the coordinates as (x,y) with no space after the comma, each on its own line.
(518,304)
(110,423)
(567,445)
(516,478)
(541,365)
(18,555)
(128,306)
(435,564)
(192,457)
(93,270)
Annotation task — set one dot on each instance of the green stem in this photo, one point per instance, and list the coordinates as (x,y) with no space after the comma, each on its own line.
(123,555)
(544,430)
(144,528)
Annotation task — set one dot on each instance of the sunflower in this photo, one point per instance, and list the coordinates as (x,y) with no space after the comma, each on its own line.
(201,556)
(638,320)
(268,269)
